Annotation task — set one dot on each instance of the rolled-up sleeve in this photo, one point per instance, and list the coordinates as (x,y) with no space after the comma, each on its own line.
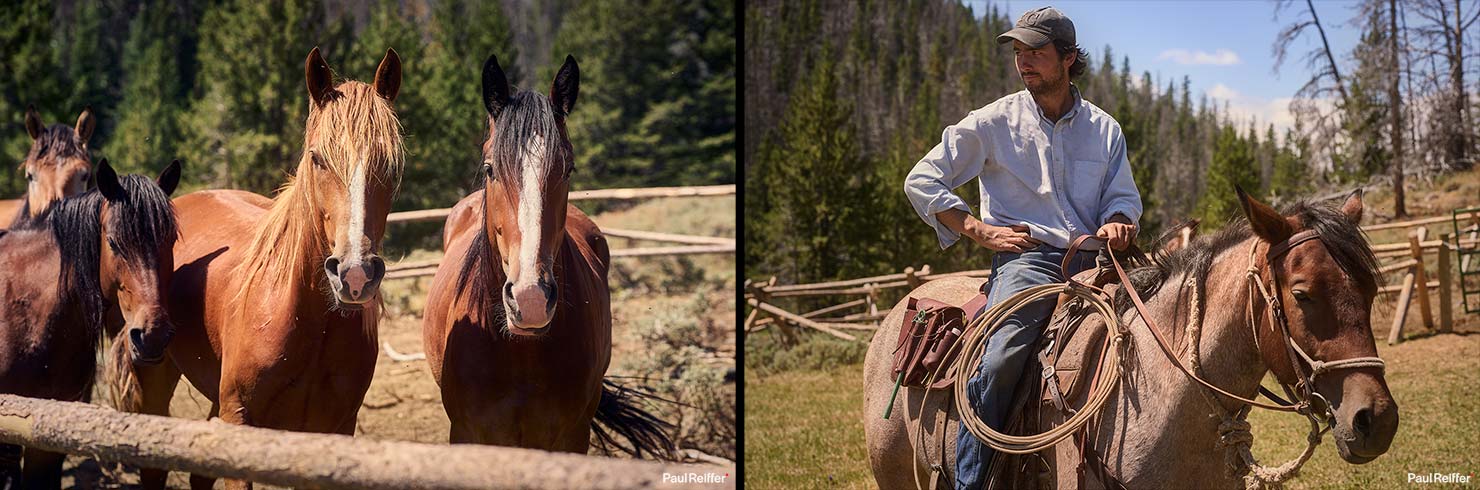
(1121,195)
(958,158)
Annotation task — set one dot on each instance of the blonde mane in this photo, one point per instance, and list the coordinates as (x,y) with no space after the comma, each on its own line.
(354,127)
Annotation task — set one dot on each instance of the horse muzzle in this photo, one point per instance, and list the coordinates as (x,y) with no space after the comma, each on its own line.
(147,344)
(355,284)
(530,306)
(1365,431)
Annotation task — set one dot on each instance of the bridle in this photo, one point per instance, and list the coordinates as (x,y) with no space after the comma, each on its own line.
(1304,391)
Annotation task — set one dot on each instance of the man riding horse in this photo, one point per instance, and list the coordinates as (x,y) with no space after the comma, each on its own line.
(1051,167)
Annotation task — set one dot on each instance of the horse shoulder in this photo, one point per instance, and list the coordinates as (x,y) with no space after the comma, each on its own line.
(464,216)
(442,305)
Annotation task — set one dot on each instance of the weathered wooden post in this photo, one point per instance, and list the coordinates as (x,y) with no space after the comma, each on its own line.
(1446,317)
(1421,280)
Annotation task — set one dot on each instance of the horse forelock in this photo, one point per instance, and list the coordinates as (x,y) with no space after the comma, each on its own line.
(55,143)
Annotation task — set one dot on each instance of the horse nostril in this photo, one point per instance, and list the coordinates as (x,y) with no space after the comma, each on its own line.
(509,291)
(331,267)
(136,335)
(376,268)
(1362,423)
(550,294)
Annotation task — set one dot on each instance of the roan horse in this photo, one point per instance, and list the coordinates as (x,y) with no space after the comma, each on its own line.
(525,367)
(277,300)
(56,167)
(1159,429)
(103,256)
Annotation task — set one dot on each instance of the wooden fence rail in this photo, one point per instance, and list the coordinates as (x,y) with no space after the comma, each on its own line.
(295,459)
(632,193)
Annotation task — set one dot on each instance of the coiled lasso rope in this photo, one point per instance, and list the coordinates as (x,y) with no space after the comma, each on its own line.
(968,360)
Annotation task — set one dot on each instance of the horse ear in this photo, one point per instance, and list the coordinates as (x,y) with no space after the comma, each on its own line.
(33,122)
(388,76)
(567,85)
(495,86)
(1352,208)
(320,79)
(169,178)
(1264,220)
(108,182)
(85,124)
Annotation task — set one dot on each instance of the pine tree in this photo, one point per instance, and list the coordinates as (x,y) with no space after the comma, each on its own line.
(630,131)
(247,125)
(27,37)
(154,93)
(1233,165)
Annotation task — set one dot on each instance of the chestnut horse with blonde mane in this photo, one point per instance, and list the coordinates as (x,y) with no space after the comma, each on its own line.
(89,263)
(525,368)
(276,301)
(58,165)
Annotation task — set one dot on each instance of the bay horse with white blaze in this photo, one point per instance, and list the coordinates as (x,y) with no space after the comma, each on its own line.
(518,320)
(277,300)
(58,165)
(101,257)
(1160,428)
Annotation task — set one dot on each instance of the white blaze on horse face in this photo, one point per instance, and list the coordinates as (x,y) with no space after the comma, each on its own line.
(356,232)
(531,204)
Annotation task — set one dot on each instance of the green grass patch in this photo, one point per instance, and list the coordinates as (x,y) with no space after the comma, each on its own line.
(804,429)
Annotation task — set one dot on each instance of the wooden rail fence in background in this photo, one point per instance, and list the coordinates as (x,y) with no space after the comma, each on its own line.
(692,244)
(296,459)
(1416,283)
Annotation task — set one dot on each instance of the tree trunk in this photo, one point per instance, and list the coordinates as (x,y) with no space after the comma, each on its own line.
(1399,211)
(1459,142)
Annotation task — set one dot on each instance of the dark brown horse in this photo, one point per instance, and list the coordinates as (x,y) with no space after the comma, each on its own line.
(103,255)
(56,167)
(277,299)
(518,321)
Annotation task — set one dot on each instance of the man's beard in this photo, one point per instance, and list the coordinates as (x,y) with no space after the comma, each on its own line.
(1043,84)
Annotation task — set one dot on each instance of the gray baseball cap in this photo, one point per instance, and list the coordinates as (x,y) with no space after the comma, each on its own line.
(1038,27)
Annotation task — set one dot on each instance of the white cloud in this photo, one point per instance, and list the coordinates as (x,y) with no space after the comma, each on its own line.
(1222,92)
(1221,57)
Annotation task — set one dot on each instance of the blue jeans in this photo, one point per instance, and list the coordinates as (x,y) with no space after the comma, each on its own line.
(1009,348)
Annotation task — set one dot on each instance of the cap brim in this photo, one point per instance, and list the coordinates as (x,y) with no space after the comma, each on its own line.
(1032,38)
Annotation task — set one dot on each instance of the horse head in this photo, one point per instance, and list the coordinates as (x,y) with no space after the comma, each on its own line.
(1326,287)
(351,168)
(58,164)
(136,259)
(527,163)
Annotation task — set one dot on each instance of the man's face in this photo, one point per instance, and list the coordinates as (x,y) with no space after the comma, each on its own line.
(1041,69)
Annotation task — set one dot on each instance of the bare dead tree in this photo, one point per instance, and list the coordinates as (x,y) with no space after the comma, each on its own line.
(1325,78)
(1396,97)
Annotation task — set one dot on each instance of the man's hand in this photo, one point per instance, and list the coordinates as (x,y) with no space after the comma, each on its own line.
(1000,238)
(1119,232)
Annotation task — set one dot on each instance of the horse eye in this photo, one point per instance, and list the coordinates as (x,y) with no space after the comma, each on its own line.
(488,170)
(112,245)
(1301,295)
(30,177)
(318,160)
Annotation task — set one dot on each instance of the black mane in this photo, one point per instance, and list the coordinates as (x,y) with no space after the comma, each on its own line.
(1343,239)
(138,225)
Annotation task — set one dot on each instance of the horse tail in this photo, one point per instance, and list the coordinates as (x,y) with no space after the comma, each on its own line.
(123,384)
(618,414)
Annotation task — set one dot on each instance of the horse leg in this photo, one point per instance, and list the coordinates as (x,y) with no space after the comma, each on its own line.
(43,469)
(157,387)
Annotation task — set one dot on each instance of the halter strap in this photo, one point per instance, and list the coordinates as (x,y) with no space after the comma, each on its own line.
(1281,248)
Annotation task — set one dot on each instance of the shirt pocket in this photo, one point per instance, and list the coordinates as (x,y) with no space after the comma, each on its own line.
(1086,179)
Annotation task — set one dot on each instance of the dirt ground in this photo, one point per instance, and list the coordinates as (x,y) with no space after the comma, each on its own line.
(404,403)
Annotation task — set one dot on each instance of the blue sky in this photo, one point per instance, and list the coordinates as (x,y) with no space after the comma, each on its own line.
(1224,46)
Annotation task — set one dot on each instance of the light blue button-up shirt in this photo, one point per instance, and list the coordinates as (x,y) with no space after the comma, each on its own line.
(1060,179)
